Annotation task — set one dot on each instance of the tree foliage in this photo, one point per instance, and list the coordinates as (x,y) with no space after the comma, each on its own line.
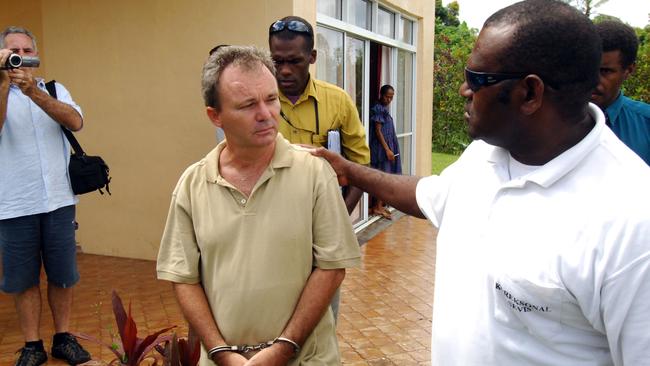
(448,15)
(586,6)
(453,44)
(637,86)
(603,17)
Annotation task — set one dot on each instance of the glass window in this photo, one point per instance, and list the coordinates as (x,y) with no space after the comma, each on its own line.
(354,80)
(404,92)
(386,67)
(359,13)
(386,23)
(405,152)
(407,31)
(329,60)
(331,8)
(354,59)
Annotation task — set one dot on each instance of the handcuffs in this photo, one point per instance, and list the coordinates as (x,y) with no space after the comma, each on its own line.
(245,348)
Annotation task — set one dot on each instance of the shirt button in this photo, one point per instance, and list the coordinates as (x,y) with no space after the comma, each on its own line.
(243,201)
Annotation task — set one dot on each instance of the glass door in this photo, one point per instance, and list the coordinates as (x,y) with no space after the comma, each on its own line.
(355,55)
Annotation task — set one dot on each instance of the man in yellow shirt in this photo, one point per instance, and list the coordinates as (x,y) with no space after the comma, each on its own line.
(310,107)
(257,238)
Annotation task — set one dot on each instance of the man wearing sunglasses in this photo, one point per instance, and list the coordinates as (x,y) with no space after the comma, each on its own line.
(310,107)
(543,249)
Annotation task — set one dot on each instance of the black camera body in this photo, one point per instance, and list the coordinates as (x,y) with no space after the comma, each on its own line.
(15,61)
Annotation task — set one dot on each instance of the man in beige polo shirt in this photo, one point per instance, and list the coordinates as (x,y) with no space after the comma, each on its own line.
(258,237)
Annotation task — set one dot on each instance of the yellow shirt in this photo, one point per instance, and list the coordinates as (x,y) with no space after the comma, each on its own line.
(254,255)
(336,111)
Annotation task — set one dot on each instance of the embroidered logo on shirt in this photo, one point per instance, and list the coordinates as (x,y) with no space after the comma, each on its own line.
(520,305)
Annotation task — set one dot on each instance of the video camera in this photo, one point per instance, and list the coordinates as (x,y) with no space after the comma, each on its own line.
(15,61)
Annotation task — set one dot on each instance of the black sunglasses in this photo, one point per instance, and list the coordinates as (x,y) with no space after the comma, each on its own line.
(292,25)
(216,48)
(477,80)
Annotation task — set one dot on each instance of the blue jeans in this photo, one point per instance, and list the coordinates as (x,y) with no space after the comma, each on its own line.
(26,242)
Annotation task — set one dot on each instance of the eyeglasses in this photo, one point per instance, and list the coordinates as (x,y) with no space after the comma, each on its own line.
(217,48)
(292,25)
(477,80)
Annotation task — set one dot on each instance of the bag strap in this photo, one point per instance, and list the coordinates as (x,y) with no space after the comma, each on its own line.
(51,89)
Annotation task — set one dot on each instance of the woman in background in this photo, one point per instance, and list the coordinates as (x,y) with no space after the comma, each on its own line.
(384,149)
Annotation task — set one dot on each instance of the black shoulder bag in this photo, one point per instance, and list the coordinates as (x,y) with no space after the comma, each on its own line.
(87,173)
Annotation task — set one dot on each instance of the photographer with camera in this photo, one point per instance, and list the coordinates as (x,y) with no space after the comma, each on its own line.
(37,205)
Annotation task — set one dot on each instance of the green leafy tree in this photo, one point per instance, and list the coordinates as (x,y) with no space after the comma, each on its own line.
(453,44)
(448,15)
(586,6)
(602,17)
(637,86)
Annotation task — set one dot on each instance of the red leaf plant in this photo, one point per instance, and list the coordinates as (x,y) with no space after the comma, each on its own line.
(133,350)
(180,351)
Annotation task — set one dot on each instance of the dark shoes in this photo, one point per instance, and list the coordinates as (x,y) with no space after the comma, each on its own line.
(31,356)
(70,350)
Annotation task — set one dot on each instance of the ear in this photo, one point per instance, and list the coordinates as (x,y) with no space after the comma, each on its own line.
(530,94)
(312,56)
(629,70)
(214,116)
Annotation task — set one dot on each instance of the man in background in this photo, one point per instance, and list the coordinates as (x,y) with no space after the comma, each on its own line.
(629,119)
(310,107)
(37,205)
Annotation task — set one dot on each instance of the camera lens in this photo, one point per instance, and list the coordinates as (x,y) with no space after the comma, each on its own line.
(14,61)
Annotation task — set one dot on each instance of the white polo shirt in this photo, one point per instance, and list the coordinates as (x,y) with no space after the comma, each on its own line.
(552,268)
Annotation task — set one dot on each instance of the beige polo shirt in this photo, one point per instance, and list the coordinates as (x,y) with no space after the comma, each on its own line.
(254,255)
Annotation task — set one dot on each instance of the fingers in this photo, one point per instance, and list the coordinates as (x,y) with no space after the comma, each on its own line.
(20,76)
(320,151)
(4,55)
(23,79)
(16,78)
(4,75)
(308,147)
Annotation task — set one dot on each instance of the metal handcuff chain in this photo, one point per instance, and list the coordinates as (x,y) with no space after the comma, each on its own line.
(244,348)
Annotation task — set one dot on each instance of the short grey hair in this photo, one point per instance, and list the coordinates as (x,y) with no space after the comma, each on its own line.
(248,57)
(13,30)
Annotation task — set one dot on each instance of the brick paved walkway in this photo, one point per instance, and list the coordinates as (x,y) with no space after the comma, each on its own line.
(385,314)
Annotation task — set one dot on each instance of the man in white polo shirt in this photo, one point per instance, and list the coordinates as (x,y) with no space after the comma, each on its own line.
(543,250)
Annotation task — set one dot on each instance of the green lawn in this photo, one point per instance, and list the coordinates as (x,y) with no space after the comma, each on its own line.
(440,161)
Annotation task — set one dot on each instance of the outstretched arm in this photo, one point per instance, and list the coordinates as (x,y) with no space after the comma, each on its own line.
(396,190)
